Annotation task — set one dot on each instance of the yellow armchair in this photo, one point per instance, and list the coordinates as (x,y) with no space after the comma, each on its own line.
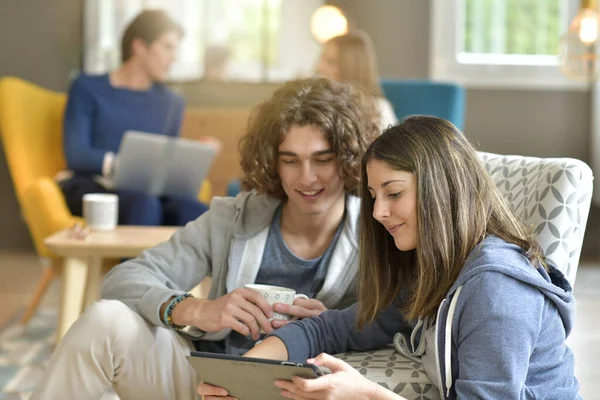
(31,124)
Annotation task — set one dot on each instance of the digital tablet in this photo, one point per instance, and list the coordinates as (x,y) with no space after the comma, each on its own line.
(249,378)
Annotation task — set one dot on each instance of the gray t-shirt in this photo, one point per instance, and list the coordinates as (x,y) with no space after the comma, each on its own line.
(280,267)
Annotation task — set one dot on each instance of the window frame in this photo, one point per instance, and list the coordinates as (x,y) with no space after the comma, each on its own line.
(491,71)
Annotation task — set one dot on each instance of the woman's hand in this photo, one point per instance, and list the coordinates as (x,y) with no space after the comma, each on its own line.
(302,308)
(344,382)
(210,392)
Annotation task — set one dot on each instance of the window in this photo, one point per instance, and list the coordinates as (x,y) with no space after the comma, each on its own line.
(259,40)
(500,43)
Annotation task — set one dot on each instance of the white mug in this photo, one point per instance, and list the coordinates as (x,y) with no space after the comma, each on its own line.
(277,294)
(101,211)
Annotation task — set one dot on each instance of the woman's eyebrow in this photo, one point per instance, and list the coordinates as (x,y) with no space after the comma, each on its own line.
(384,184)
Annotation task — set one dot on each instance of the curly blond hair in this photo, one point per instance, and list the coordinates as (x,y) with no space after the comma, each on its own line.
(347,119)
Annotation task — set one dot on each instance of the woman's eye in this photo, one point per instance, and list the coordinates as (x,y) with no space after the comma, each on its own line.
(394,195)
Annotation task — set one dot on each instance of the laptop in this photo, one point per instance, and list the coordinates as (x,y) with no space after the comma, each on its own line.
(162,165)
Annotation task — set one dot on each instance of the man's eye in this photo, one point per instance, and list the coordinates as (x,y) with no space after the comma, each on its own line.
(324,160)
(288,161)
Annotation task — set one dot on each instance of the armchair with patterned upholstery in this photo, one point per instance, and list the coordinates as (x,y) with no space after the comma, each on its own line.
(553,196)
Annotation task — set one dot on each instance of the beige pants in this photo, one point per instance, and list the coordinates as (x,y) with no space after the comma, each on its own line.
(112,346)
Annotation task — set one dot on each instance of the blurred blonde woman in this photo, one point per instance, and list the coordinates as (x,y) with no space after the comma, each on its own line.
(351,58)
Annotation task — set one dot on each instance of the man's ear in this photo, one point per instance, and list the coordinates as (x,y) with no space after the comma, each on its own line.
(138,46)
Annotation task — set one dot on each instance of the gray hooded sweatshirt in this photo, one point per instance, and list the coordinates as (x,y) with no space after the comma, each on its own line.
(499,333)
(226,243)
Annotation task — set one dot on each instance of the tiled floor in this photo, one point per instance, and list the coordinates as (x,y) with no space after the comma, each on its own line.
(20,272)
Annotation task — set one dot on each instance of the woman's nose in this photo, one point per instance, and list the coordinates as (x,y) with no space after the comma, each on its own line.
(380,210)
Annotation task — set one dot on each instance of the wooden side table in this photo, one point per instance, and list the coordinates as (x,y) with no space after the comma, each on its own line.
(82,272)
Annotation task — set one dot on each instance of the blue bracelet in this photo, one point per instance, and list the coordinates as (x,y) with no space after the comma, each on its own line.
(167,319)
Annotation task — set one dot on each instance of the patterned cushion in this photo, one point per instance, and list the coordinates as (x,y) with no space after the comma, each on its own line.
(553,196)
(394,372)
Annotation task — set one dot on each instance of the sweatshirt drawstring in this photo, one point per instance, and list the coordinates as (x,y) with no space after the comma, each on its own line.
(448,341)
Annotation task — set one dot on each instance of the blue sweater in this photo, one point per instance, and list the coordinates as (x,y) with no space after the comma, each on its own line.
(507,330)
(98,114)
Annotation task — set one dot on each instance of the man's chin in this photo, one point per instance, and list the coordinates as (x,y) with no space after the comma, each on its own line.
(160,78)
(310,209)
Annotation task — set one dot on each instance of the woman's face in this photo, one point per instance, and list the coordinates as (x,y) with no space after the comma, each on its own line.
(394,195)
(328,64)
(158,56)
(309,172)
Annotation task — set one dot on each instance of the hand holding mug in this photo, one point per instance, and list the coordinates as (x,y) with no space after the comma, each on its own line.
(276,296)
(302,308)
(287,305)
(243,310)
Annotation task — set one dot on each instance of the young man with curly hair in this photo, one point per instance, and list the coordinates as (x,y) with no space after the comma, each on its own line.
(294,226)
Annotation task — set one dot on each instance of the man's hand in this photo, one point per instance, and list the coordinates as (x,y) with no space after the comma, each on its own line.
(301,308)
(243,310)
(213,141)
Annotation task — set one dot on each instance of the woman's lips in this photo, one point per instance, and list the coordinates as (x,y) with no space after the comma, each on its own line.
(393,228)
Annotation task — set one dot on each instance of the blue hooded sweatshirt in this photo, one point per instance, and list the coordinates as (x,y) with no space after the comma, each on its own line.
(499,333)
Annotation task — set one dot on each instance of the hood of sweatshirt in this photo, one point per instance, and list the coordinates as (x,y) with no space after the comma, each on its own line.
(551,283)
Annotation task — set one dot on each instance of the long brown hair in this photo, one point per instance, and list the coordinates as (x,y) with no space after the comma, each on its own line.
(343,114)
(458,204)
(357,62)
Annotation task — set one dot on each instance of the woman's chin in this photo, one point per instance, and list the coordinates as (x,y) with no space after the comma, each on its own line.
(403,245)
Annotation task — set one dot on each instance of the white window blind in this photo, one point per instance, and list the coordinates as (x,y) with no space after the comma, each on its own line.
(268,40)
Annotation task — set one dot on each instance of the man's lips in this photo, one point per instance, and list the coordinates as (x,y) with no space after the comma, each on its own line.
(310,193)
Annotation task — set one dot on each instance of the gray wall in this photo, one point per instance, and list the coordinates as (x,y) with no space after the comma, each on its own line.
(41,43)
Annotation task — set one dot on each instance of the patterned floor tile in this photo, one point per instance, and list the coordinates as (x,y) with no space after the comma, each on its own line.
(24,351)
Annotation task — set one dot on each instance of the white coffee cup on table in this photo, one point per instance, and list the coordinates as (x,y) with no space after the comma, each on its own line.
(277,294)
(101,211)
